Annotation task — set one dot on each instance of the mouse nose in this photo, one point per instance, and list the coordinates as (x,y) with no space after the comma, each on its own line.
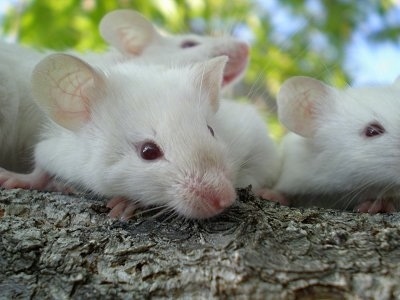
(238,58)
(220,202)
(207,198)
(243,49)
(218,199)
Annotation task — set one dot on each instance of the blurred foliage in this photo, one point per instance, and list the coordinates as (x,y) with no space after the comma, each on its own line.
(311,40)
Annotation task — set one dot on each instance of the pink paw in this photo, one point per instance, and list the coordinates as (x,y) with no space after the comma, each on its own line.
(38,180)
(121,207)
(376,206)
(272,196)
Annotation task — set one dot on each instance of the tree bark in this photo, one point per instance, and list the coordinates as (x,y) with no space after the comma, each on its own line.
(66,247)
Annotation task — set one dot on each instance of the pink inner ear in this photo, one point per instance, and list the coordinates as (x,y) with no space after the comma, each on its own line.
(131,43)
(62,85)
(308,107)
(302,101)
(71,118)
(306,115)
(72,104)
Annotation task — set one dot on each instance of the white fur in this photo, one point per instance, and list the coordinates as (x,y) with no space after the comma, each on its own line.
(136,37)
(20,118)
(250,153)
(100,152)
(333,156)
(250,148)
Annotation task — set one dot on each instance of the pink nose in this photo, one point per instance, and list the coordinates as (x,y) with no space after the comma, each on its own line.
(220,202)
(216,200)
(237,62)
(205,199)
(243,49)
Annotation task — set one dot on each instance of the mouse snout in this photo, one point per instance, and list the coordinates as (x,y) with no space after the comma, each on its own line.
(237,62)
(206,196)
(237,53)
(243,49)
(216,198)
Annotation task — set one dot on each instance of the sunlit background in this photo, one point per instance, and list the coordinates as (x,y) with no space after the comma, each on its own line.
(339,42)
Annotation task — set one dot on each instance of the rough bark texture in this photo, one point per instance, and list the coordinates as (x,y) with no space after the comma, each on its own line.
(58,247)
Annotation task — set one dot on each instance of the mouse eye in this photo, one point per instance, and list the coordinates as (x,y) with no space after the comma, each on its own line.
(150,151)
(211,130)
(374,129)
(189,44)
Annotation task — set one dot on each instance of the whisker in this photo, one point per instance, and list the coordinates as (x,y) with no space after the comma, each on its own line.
(172,214)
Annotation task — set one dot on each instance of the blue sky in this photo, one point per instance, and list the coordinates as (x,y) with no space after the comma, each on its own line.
(366,62)
(374,62)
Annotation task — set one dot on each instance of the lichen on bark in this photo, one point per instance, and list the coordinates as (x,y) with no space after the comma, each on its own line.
(60,247)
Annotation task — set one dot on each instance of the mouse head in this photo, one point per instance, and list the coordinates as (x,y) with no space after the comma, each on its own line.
(133,35)
(356,130)
(147,131)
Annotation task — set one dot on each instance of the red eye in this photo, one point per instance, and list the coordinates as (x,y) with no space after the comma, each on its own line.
(189,44)
(374,129)
(211,130)
(150,151)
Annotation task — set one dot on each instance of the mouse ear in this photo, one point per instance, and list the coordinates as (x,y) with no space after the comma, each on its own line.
(209,76)
(300,101)
(128,31)
(62,85)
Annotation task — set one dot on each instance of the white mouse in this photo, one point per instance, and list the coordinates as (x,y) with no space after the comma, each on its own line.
(254,153)
(250,151)
(344,147)
(122,131)
(243,130)
(137,38)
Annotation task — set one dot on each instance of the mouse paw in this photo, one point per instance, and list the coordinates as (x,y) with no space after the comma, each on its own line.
(37,180)
(272,195)
(122,208)
(376,206)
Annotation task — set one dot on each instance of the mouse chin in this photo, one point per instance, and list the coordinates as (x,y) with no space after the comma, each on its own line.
(201,201)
